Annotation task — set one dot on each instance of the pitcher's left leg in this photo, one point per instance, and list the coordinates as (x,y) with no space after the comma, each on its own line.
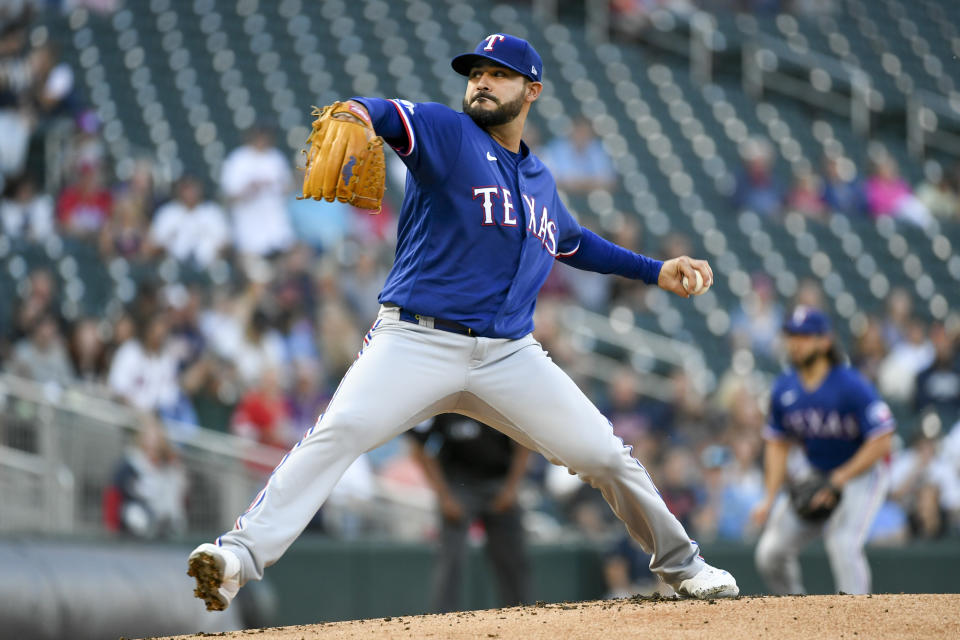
(522,392)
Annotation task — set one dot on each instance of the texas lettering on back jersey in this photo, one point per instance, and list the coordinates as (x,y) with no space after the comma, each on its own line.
(832,421)
(480,226)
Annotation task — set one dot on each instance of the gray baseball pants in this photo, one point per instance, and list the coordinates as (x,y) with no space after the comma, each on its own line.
(407,373)
(844,535)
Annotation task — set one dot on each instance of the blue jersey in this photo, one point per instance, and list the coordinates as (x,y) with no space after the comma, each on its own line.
(480,226)
(833,420)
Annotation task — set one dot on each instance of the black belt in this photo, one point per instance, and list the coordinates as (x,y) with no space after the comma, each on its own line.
(438,323)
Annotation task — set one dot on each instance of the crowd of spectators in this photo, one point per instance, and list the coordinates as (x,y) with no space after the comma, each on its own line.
(837,188)
(259,355)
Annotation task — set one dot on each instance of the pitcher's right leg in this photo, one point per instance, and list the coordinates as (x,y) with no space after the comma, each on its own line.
(405,375)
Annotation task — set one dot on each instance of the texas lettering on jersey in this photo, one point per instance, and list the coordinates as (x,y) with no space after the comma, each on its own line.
(816,423)
(498,210)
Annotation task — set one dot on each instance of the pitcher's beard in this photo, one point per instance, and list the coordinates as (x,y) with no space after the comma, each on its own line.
(504,113)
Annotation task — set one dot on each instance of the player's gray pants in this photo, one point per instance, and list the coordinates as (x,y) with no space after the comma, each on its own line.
(407,373)
(844,535)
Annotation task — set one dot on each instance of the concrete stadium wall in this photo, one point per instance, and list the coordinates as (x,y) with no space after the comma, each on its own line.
(105,589)
(326,580)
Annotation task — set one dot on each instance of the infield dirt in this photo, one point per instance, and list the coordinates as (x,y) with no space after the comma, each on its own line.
(794,617)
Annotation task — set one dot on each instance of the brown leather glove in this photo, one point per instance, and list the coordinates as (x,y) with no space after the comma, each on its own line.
(345,159)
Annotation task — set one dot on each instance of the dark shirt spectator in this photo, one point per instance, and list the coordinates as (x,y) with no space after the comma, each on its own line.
(758,189)
(938,386)
(842,192)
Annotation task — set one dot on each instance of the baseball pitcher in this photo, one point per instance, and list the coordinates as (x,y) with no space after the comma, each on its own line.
(480,227)
(845,431)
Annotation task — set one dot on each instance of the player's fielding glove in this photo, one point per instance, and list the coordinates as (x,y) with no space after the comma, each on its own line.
(802,493)
(345,159)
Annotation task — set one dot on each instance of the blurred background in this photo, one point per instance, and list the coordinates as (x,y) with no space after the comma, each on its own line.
(172,318)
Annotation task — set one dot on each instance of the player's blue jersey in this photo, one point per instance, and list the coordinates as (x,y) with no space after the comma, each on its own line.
(480,226)
(832,421)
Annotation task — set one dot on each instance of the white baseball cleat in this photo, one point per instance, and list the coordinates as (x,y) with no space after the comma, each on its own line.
(217,571)
(709,583)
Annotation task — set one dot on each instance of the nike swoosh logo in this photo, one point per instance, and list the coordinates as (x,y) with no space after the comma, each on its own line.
(491,157)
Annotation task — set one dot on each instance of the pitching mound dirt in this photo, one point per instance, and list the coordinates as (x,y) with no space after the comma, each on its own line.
(807,617)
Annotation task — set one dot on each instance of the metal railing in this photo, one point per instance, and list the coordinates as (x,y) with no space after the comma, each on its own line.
(933,121)
(647,352)
(60,448)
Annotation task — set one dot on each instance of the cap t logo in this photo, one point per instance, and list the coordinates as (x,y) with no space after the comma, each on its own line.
(799,315)
(491,39)
(533,70)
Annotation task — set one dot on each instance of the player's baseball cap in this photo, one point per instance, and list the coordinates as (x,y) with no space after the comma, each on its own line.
(506,50)
(806,321)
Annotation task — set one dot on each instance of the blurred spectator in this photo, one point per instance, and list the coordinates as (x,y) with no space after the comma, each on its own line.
(43,356)
(809,294)
(88,352)
(938,191)
(308,396)
(321,225)
(19,73)
(339,338)
(938,386)
(899,314)
(928,520)
(889,195)
(144,372)
(733,486)
(870,350)
(948,475)
(687,419)
(677,480)
(84,205)
(628,412)
(26,213)
(125,232)
(188,227)
(632,17)
(475,472)
(756,324)
(87,146)
(806,194)
(256,180)
(578,161)
(39,300)
(261,348)
(842,192)
(140,186)
(361,284)
(898,372)
(757,188)
(262,417)
(626,571)
(51,93)
(149,492)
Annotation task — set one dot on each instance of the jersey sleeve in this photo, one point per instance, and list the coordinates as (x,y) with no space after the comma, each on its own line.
(570,232)
(873,414)
(425,135)
(774,429)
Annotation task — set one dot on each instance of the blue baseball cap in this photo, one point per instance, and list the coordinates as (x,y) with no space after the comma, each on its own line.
(505,50)
(806,321)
